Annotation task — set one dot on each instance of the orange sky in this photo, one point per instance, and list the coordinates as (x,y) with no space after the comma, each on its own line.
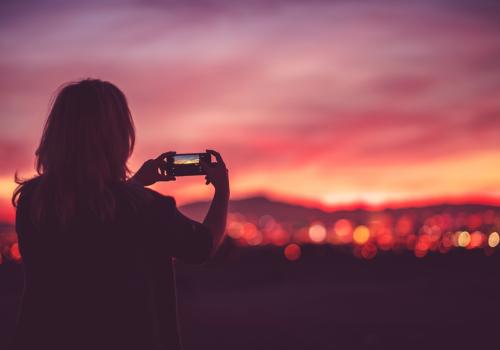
(325,102)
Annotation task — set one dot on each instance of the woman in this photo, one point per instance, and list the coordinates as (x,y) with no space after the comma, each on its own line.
(97,248)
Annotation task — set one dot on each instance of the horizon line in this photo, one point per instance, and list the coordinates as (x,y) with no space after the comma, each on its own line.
(364,205)
(472,199)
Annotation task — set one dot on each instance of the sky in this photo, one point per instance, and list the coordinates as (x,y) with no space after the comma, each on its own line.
(328,103)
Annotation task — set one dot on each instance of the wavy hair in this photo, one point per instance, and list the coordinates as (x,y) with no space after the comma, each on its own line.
(86,142)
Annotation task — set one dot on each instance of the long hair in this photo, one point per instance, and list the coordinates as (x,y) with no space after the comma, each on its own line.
(86,142)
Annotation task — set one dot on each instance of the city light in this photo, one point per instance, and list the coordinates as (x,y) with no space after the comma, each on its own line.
(463,239)
(292,252)
(361,234)
(494,239)
(366,237)
(317,233)
(341,233)
(15,254)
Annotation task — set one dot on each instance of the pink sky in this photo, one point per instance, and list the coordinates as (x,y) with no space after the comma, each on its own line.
(324,102)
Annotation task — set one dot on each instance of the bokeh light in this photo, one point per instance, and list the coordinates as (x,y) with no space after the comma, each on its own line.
(249,230)
(361,234)
(404,226)
(476,240)
(317,233)
(493,239)
(292,252)
(341,233)
(463,239)
(256,238)
(278,236)
(422,246)
(385,240)
(15,253)
(368,251)
(235,230)
(267,223)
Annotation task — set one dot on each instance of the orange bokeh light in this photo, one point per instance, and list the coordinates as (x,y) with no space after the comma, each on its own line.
(361,234)
(476,239)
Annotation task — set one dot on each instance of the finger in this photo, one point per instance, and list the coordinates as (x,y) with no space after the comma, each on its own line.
(162,166)
(216,154)
(165,155)
(165,178)
(207,169)
(204,165)
(159,171)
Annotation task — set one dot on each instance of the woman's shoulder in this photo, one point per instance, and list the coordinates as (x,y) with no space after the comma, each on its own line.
(22,200)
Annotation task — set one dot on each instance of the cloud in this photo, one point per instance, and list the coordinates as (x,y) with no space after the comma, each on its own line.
(299,89)
(13,156)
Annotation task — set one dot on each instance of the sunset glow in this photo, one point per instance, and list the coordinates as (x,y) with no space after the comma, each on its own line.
(329,103)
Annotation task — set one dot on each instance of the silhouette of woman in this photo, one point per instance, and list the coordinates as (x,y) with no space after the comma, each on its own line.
(97,246)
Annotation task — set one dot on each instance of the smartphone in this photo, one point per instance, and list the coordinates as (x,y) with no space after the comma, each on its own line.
(187,164)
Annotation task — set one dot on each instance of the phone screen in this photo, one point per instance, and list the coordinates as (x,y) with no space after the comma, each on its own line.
(186,159)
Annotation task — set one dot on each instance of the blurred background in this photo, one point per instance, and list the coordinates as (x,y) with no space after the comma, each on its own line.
(363,145)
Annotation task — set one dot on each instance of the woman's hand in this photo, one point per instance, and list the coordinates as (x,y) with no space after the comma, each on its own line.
(216,217)
(153,170)
(216,173)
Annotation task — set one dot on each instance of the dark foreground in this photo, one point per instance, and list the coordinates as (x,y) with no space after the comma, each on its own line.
(255,299)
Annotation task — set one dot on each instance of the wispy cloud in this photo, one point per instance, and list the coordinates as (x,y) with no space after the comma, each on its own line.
(319,91)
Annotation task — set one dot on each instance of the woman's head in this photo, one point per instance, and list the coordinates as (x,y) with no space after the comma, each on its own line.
(86,142)
(89,132)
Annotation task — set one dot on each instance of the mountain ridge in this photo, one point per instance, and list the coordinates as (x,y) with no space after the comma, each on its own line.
(257,206)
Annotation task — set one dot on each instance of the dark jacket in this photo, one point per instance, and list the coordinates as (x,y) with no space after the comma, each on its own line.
(105,285)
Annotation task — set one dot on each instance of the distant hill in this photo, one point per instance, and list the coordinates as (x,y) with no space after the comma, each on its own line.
(255,207)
